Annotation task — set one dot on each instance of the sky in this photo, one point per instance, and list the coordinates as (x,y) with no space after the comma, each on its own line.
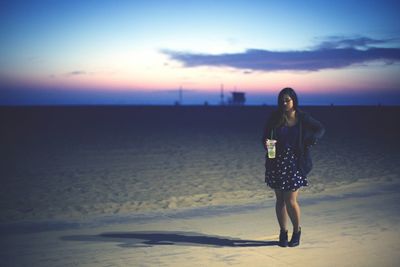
(56,52)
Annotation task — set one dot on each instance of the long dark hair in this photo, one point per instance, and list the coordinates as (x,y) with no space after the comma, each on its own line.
(280,117)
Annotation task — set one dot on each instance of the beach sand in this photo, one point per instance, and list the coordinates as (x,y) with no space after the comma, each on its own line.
(184,186)
(357,228)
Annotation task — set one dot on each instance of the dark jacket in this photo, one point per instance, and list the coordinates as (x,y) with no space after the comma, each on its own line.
(310,131)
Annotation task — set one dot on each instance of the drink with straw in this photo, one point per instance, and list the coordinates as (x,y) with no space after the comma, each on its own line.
(271,147)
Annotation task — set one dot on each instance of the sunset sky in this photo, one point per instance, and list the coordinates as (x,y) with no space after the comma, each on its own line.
(142,52)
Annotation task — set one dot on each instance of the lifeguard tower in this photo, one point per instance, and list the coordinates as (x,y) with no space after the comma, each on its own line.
(237,99)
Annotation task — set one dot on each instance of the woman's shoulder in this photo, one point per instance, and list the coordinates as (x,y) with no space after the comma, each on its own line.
(308,119)
(303,114)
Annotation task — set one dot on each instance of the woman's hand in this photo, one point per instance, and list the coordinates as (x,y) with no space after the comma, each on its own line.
(266,141)
(311,142)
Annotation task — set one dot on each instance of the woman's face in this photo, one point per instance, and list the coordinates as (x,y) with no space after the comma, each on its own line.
(287,102)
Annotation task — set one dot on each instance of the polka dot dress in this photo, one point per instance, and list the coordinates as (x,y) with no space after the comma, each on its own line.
(282,173)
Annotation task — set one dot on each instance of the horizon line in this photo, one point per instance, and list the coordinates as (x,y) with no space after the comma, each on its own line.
(193,105)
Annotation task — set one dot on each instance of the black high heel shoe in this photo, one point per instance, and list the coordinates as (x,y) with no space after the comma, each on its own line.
(283,238)
(295,240)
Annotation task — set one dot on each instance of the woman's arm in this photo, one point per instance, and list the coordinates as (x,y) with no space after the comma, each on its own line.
(318,130)
(265,135)
(267,131)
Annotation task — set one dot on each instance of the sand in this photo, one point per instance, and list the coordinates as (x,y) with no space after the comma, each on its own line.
(164,186)
(358,228)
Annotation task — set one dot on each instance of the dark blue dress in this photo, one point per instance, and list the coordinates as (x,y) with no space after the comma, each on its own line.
(283,173)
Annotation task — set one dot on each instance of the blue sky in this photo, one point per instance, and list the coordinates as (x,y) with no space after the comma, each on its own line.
(141,52)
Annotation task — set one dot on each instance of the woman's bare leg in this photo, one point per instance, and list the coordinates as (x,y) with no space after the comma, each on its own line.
(293,208)
(280,209)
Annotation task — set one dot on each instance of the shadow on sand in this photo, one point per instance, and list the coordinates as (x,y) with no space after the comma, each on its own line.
(148,239)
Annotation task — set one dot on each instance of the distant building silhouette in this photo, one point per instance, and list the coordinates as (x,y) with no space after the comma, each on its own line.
(180,92)
(222,102)
(237,99)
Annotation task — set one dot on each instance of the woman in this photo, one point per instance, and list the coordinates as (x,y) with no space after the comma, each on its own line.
(295,132)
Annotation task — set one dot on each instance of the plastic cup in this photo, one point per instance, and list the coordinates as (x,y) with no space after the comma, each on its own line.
(271,147)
